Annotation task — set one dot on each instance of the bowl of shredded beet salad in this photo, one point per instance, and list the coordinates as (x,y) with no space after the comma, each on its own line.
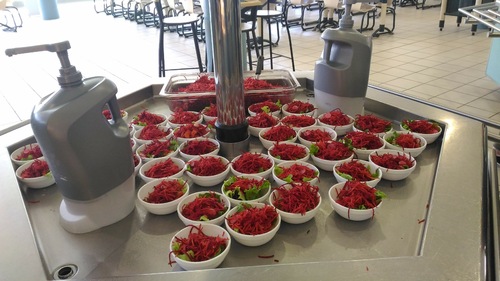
(354,200)
(358,170)
(146,117)
(209,112)
(253,224)
(372,124)
(201,146)
(246,189)
(26,153)
(395,165)
(298,121)
(286,151)
(123,114)
(295,171)
(181,117)
(161,196)
(279,133)
(337,120)
(261,121)
(326,154)
(152,132)
(252,163)
(162,168)
(296,202)
(363,143)
(198,246)
(428,129)
(35,173)
(405,141)
(207,170)
(137,163)
(297,107)
(312,134)
(267,106)
(190,131)
(158,149)
(203,207)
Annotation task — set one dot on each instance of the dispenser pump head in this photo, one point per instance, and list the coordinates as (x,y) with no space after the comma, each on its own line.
(69,76)
(346,22)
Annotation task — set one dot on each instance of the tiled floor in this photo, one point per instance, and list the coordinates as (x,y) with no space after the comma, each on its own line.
(444,67)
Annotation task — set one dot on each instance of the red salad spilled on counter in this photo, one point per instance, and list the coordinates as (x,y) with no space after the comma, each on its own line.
(251,163)
(392,161)
(296,197)
(354,170)
(335,118)
(362,140)
(267,106)
(37,169)
(166,191)
(189,131)
(198,147)
(371,123)
(158,148)
(206,166)
(299,107)
(421,126)
(288,151)
(358,195)
(163,169)
(330,150)
(197,246)
(152,132)
(315,135)
(279,133)
(206,206)
(251,220)
(30,152)
(296,172)
(262,120)
(298,120)
(147,118)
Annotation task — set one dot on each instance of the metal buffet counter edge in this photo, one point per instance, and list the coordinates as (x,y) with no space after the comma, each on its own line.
(441,235)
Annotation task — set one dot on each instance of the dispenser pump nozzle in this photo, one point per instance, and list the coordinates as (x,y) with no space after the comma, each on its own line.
(69,76)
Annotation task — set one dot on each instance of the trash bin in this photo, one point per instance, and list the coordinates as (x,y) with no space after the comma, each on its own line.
(48,9)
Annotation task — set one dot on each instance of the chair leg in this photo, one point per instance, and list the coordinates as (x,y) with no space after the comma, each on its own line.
(197,47)
(291,48)
(249,51)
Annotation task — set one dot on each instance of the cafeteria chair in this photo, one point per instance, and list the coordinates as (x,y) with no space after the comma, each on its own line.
(368,12)
(10,12)
(303,5)
(328,9)
(180,20)
(248,27)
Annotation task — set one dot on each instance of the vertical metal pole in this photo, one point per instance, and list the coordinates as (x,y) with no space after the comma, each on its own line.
(231,125)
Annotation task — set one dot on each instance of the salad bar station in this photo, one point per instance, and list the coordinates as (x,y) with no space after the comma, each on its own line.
(432,225)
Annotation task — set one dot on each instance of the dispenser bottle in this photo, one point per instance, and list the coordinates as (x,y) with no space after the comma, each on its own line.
(89,156)
(341,75)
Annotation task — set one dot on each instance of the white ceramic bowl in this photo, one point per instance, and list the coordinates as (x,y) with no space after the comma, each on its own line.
(340,130)
(285,111)
(279,160)
(37,182)
(363,154)
(123,113)
(191,197)
(175,125)
(330,131)
(265,174)
(16,153)
(372,168)
(138,166)
(141,148)
(181,139)
(208,180)
(288,164)
(412,151)
(253,240)
(163,128)
(190,156)
(146,166)
(138,127)
(378,134)
(350,214)
(274,113)
(294,218)
(264,192)
(285,121)
(160,208)
(429,138)
(267,143)
(254,131)
(393,174)
(207,118)
(209,230)
(327,165)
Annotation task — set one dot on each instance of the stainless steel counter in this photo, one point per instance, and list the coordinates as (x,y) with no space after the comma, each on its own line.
(446,190)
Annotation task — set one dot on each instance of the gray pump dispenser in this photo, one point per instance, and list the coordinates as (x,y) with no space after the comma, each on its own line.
(89,156)
(341,75)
